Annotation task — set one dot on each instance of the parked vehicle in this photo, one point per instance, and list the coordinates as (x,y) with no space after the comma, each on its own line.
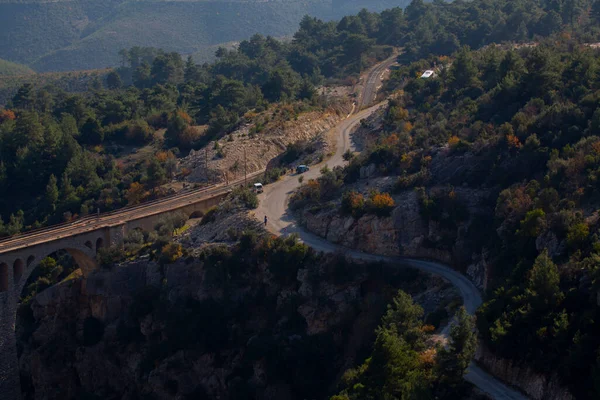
(258,188)
(300,169)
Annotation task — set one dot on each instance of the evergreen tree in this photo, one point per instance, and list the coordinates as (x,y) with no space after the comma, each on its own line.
(91,132)
(455,359)
(15,223)
(191,73)
(463,72)
(66,189)
(544,280)
(156,173)
(142,76)
(113,80)
(52,193)
(24,98)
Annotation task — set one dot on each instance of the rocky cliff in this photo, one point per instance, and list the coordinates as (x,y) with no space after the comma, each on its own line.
(535,385)
(208,328)
(407,232)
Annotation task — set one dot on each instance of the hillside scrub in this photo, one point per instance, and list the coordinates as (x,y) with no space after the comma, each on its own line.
(519,127)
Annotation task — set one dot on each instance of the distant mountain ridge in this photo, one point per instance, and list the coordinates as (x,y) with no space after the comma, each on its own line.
(85,34)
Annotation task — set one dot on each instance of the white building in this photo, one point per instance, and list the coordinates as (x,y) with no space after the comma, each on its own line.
(428,74)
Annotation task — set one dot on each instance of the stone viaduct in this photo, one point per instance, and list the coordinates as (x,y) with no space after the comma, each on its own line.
(20,255)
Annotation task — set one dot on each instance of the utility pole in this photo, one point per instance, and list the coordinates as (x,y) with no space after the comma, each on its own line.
(245,170)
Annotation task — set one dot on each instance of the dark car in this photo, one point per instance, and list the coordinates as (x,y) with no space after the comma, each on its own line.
(300,169)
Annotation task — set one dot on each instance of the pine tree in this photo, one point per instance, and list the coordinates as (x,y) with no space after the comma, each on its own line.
(455,359)
(544,280)
(113,80)
(52,193)
(156,173)
(91,132)
(191,70)
(66,189)
(15,223)
(463,70)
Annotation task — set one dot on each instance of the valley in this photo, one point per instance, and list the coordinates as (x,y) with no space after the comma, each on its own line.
(389,205)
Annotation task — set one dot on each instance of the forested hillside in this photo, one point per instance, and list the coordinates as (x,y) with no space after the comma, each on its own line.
(518,132)
(8,68)
(86,34)
(500,149)
(58,151)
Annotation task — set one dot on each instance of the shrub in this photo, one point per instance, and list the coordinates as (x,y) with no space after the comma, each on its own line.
(348,155)
(136,193)
(577,234)
(134,240)
(247,196)
(170,253)
(381,204)
(410,181)
(273,174)
(108,256)
(293,151)
(533,223)
(453,141)
(158,119)
(7,115)
(210,216)
(138,132)
(307,193)
(168,224)
(353,203)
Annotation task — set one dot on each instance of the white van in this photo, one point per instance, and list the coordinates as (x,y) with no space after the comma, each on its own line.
(258,188)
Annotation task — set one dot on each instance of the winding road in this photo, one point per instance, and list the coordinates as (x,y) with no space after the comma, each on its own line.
(274,201)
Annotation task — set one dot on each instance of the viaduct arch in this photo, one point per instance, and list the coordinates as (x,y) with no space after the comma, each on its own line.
(20,255)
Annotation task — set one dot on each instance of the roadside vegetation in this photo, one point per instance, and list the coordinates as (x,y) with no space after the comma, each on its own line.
(524,123)
(405,363)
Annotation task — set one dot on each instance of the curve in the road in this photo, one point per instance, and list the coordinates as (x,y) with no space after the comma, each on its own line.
(273,204)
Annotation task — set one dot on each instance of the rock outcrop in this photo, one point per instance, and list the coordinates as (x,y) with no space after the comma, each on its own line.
(535,385)
(187,331)
(406,232)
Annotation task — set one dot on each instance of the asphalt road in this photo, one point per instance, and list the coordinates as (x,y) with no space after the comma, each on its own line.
(274,201)
(373,82)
